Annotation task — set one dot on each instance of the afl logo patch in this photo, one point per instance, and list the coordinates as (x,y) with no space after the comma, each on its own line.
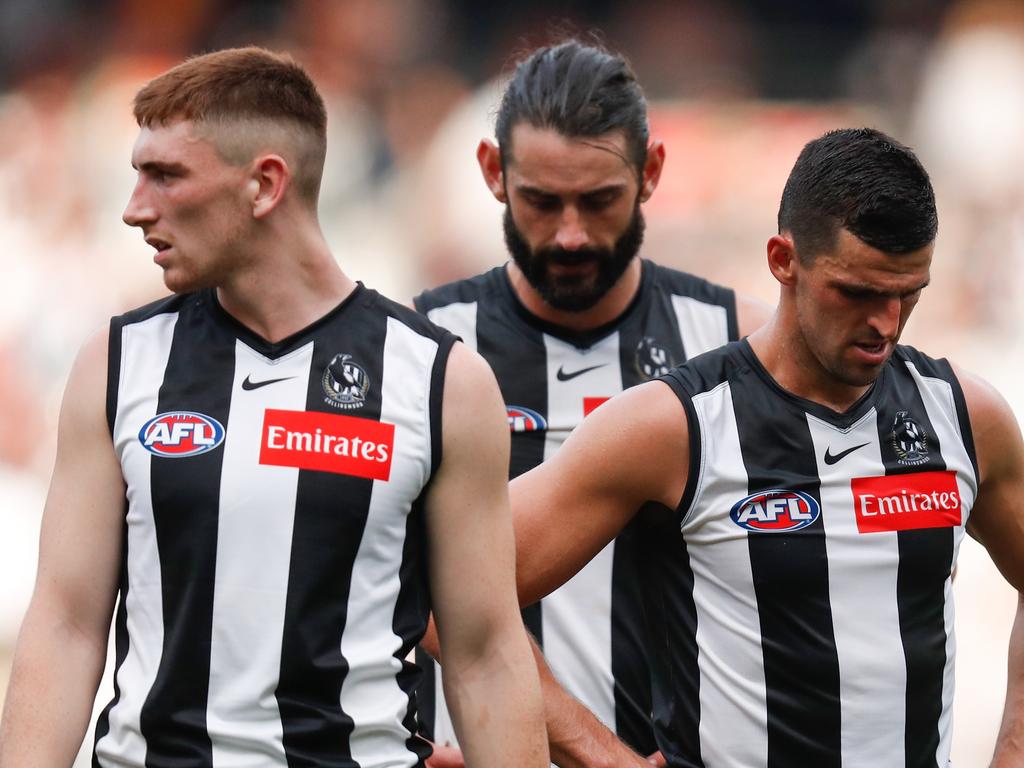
(522,419)
(775,511)
(177,434)
(345,383)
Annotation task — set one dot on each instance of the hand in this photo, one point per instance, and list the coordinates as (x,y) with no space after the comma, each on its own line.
(447,757)
(657,759)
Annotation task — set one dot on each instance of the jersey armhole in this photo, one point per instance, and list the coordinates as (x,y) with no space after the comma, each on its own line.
(682,509)
(732,319)
(436,397)
(963,417)
(113,370)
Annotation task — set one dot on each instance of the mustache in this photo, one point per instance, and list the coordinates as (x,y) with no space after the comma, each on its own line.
(566,258)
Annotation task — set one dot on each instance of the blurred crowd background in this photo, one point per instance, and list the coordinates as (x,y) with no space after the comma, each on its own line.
(736,87)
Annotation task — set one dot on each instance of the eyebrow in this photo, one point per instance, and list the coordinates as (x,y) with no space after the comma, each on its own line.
(526,189)
(157,165)
(867,290)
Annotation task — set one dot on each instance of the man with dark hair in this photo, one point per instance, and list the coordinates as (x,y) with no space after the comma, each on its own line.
(275,469)
(801,498)
(573,319)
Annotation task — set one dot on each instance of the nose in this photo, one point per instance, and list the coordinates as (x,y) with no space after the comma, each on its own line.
(571,235)
(139,210)
(886,317)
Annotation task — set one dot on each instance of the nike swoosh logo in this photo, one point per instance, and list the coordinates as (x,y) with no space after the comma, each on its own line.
(563,376)
(249,384)
(830,459)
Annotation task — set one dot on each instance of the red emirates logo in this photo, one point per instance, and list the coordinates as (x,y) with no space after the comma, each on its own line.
(591,404)
(906,502)
(345,445)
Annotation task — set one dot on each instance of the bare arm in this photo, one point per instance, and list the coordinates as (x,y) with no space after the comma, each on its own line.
(632,450)
(997,523)
(62,645)
(751,314)
(490,679)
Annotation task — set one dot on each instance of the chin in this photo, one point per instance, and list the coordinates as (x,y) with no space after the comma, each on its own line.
(859,377)
(177,282)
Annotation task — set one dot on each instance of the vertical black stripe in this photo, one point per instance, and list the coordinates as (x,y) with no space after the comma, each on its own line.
(648,339)
(330,517)
(436,399)
(426,694)
(926,559)
(731,318)
(410,620)
(113,370)
(962,414)
(185,493)
(671,624)
(790,574)
(522,378)
(120,644)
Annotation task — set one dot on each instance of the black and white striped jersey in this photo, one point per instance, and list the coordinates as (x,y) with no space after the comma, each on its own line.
(273,578)
(801,596)
(591,629)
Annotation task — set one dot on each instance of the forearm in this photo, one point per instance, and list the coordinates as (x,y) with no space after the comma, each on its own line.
(49,701)
(1010,743)
(576,737)
(494,700)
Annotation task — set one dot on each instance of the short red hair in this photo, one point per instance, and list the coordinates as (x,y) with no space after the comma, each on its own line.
(241,88)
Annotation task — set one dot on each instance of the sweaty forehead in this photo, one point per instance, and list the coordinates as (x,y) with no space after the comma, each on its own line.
(545,159)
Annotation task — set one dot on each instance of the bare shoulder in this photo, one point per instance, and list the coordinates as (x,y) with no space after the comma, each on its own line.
(751,313)
(85,395)
(470,389)
(997,436)
(638,440)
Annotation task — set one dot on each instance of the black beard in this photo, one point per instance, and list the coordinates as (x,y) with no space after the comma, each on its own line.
(572,293)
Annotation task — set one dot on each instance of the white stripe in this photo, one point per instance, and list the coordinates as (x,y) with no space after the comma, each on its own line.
(862,579)
(460,319)
(702,326)
(941,408)
(733,702)
(145,350)
(370,694)
(254,534)
(576,618)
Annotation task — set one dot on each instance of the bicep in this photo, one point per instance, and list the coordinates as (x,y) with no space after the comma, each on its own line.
(631,450)
(468,523)
(82,527)
(996,520)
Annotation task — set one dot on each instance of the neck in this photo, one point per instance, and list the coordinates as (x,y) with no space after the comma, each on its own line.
(609,307)
(288,284)
(784,354)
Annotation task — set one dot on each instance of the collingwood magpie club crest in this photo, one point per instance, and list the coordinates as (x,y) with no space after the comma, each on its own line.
(652,359)
(345,383)
(909,440)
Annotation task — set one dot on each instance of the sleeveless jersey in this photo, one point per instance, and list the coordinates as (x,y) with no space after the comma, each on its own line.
(274,578)
(591,629)
(801,597)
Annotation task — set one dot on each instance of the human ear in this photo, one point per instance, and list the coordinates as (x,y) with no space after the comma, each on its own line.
(270,178)
(782,258)
(651,174)
(488,155)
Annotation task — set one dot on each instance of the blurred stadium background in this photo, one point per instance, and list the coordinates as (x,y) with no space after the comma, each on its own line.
(736,88)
